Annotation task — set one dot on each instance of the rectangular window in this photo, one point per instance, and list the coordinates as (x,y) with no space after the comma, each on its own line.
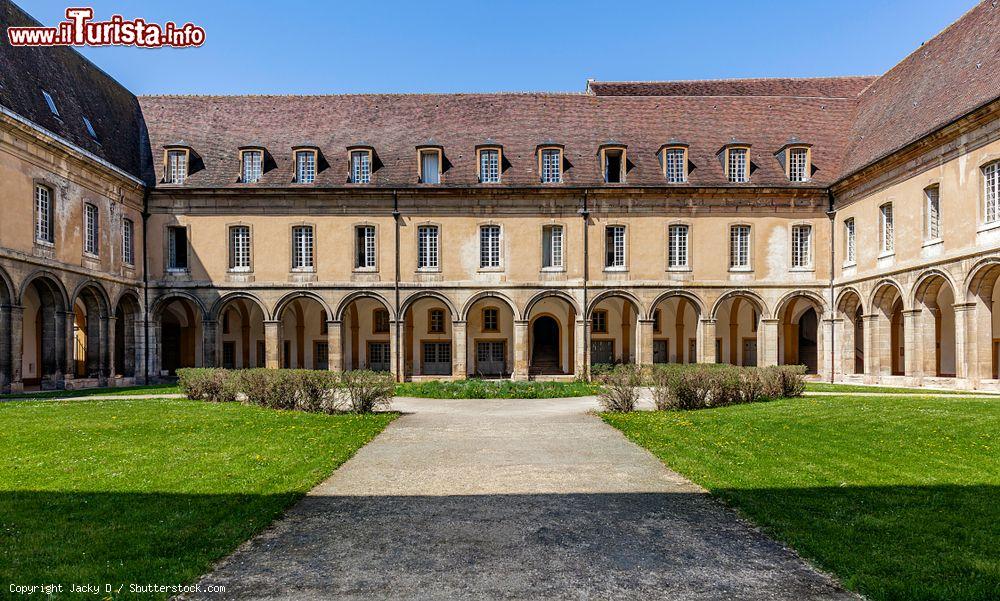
(801,246)
(850,240)
(379,356)
(798,167)
(305,166)
(491,319)
(677,246)
(932,209)
(551,166)
(657,321)
(614,166)
(676,170)
(489,166)
(739,247)
(90,129)
(177,256)
(128,244)
(886,234)
(427,247)
(738,170)
(239,248)
(430,167)
(552,247)
(436,321)
(361,167)
(614,247)
(43,214)
(991,192)
(489,246)
(176,167)
(380,321)
(599,322)
(91,228)
(302,248)
(364,247)
(253,162)
(51,103)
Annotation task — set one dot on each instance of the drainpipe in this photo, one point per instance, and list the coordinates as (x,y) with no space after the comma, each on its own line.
(585,213)
(832,214)
(396,218)
(145,285)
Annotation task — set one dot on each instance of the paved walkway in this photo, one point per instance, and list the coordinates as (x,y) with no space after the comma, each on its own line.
(519,499)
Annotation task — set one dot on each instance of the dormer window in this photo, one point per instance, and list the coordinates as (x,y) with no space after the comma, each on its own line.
(51,103)
(613,164)
(305,166)
(251,165)
(90,129)
(550,164)
(738,164)
(797,164)
(429,165)
(361,166)
(176,165)
(489,162)
(673,159)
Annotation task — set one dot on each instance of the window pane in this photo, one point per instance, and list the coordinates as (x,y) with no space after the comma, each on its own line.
(933,213)
(43,214)
(851,243)
(177,248)
(305,167)
(252,164)
(489,166)
(302,247)
(991,181)
(430,171)
(489,246)
(797,167)
(615,246)
(91,228)
(361,168)
(128,249)
(887,234)
(738,172)
(176,166)
(551,166)
(427,247)
(239,248)
(677,246)
(801,246)
(676,170)
(739,246)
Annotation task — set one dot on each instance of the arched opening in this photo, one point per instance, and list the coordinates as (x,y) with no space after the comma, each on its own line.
(367,332)
(888,340)
(179,335)
(852,334)
(799,341)
(90,322)
(240,325)
(984,293)
(127,332)
(936,300)
(427,338)
(6,350)
(675,330)
(303,338)
(613,331)
(737,331)
(43,334)
(551,336)
(490,332)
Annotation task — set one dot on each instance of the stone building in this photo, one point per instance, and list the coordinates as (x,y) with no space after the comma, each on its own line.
(851,224)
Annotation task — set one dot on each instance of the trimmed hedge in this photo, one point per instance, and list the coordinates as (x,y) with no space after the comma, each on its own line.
(475,388)
(314,391)
(702,386)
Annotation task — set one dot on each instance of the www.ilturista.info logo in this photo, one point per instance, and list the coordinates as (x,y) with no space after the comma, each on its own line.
(79,29)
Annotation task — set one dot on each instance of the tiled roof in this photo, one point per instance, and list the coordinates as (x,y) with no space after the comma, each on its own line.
(78,88)
(812,87)
(216,126)
(954,73)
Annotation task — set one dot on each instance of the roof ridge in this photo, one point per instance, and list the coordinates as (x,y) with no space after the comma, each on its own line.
(348,94)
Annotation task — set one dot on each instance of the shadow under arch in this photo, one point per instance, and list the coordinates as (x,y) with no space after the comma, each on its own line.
(486,295)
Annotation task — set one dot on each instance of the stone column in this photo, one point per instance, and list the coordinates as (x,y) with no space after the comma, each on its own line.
(830,361)
(872,347)
(644,354)
(706,340)
(520,350)
(767,345)
(965,314)
(911,345)
(394,343)
(108,347)
(926,344)
(16,347)
(459,356)
(153,359)
(335,352)
(210,328)
(272,343)
(580,352)
(140,347)
(65,321)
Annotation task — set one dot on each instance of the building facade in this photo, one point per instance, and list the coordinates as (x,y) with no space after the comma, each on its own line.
(850,224)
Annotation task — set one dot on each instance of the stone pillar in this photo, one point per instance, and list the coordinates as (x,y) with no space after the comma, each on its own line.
(335,352)
(580,352)
(927,343)
(767,343)
(830,349)
(16,347)
(706,340)
(520,350)
(644,354)
(873,344)
(965,322)
(459,355)
(395,364)
(65,321)
(210,327)
(153,360)
(108,326)
(140,348)
(912,365)
(272,343)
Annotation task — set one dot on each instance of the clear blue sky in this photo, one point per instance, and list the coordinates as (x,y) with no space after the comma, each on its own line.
(256,46)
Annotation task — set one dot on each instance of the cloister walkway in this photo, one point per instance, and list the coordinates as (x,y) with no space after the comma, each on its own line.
(513,499)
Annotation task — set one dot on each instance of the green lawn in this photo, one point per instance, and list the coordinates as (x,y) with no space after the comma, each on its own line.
(899,497)
(85,392)
(829,387)
(152,491)
(495,389)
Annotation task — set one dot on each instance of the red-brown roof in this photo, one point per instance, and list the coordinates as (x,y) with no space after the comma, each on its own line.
(811,87)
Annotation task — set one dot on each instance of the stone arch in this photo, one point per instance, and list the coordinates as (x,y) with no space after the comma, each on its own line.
(90,308)
(46,329)
(416,296)
(429,346)
(284,301)
(51,281)
(637,305)
(347,300)
(7,353)
(887,305)
(128,331)
(534,300)
(982,296)
(739,336)
(176,333)
(551,332)
(676,340)
(882,290)
(156,307)
(699,304)
(615,333)
(800,339)
(102,295)
(982,276)
(933,300)
(851,311)
(241,344)
(489,294)
(215,312)
(844,295)
(813,296)
(926,279)
(748,294)
(368,338)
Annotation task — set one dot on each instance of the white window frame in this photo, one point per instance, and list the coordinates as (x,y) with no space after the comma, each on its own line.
(932,213)
(128,241)
(740,247)
(51,103)
(303,248)
(675,164)
(991,193)
(798,164)
(738,171)
(436,177)
(616,258)
(490,165)
(305,166)
(251,165)
(428,247)
(490,247)
(91,229)
(240,248)
(887,234)
(176,166)
(550,168)
(850,241)
(173,252)
(90,129)
(802,240)
(365,247)
(678,247)
(361,166)
(44,212)
(555,235)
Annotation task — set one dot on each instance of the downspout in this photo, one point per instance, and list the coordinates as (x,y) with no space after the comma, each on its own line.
(396,218)
(832,214)
(585,213)
(145,285)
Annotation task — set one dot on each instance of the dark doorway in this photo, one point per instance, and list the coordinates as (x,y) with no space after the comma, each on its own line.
(545,346)
(808,325)
(171,348)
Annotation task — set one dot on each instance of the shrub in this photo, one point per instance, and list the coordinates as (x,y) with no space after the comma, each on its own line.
(316,391)
(207,384)
(711,385)
(474,388)
(792,377)
(368,391)
(621,388)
